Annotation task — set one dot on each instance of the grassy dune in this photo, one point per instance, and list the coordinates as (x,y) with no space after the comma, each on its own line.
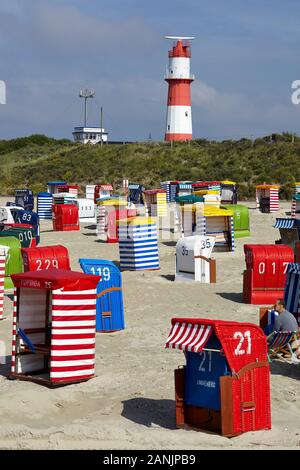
(32,161)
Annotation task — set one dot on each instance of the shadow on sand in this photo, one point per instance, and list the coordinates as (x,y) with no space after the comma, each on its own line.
(233,296)
(285,369)
(5,365)
(147,412)
(168,277)
(170,243)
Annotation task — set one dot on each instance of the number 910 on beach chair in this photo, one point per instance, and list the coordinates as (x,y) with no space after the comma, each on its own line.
(31,218)
(225,385)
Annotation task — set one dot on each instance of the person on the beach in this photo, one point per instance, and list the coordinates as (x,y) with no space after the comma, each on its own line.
(285,321)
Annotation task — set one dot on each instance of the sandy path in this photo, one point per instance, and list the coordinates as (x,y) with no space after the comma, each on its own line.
(130,403)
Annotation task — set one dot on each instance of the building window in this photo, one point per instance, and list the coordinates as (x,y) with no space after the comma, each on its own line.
(168,127)
(186,113)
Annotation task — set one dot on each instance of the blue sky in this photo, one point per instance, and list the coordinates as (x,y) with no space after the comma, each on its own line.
(245,58)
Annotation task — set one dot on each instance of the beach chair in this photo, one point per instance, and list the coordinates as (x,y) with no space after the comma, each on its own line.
(279,347)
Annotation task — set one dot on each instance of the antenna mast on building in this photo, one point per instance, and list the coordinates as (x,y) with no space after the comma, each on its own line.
(101,124)
(90,134)
(86,94)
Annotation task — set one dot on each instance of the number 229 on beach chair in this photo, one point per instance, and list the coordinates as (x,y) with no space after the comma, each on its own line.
(279,346)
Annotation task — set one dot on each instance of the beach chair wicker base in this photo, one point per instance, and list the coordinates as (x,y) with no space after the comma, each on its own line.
(44,381)
(226,420)
(199,419)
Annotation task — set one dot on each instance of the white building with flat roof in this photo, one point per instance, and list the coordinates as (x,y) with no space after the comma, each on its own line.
(89,135)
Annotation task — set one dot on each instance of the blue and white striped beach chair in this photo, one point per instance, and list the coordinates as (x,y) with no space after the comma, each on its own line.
(279,346)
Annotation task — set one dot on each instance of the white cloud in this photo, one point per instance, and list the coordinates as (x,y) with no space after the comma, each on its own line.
(219,113)
(68,29)
(213,101)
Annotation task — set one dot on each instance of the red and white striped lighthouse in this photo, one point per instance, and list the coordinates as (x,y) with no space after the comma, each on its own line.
(179,78)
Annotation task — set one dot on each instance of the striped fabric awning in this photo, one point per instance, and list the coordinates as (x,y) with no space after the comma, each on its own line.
(293,268)
(134,186)
(279,339)
(106,187)
(188,337)
(284,223)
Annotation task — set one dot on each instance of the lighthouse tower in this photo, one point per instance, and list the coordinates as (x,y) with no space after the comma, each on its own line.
(179,79)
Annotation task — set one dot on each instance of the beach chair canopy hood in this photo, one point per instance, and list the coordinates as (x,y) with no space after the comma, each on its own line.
(242,343)
(53,279)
